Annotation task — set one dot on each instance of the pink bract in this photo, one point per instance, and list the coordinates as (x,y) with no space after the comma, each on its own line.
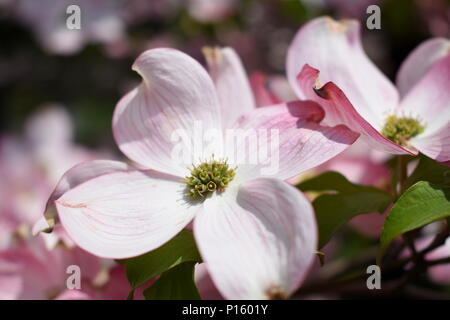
(326,63)
(258,237)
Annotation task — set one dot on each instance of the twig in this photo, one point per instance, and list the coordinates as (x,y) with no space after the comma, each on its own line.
(431,263)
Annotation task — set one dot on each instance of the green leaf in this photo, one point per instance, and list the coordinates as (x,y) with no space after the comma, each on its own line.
(420,205)
(329,181)
(334,210)
(174,284)
(347,201)
(180,249)
(356,244)
(431,171)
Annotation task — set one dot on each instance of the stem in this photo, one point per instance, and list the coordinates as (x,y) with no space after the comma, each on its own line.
(335,286)
(408,238)
(438,241)
(438,261)
(402,174)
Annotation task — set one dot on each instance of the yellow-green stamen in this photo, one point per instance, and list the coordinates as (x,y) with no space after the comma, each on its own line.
(208,177)
(400,130)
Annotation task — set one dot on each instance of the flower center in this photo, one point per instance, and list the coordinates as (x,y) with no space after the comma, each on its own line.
(400,130)
(210,176)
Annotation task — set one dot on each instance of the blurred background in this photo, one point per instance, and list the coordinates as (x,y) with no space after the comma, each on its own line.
(88,70)
(59,88)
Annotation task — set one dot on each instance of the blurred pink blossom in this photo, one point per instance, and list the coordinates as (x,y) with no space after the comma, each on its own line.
(211,10)
(30,270)
(436,16)
(30,167)
(269,90)
(359,163)
(357,94)
(124,213)
(439,273)
(205,285)
(100,23)
(351,8)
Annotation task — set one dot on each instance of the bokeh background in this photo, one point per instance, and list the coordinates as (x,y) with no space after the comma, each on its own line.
(88,70)
(59,88)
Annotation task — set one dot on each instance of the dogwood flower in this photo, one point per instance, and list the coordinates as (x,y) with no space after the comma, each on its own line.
(30,166)
(29,270)
(256,233)
(211,10)
(359,163)
(414,117)
(204,283)
(47,20)
(269,90)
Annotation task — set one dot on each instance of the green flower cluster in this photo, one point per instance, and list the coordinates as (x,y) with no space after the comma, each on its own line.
(400,130)
(208,177)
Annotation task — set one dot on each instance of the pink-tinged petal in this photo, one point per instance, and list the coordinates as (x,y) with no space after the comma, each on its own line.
(73,294)
(176,94)
(90,265)
(72,178)
(232,85)
(362,165)
(56,237)
(429,101)
(257,240)
(43,224)
(8,226)
(41,271)
(51,126)
(289,140)
(334,48)
(338,109)
(115,286)
(10,287)
(436,146)
(419,62)
(125,214)
(281,88)
(208,11)
(118,286)
(205,285)
(263,95)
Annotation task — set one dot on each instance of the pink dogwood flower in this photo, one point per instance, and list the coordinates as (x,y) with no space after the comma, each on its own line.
(30,166)
(204,283)
(413,117)
(211,10)
(256,233)
(29,270)
(359,163)
(102,23)
(269,90)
